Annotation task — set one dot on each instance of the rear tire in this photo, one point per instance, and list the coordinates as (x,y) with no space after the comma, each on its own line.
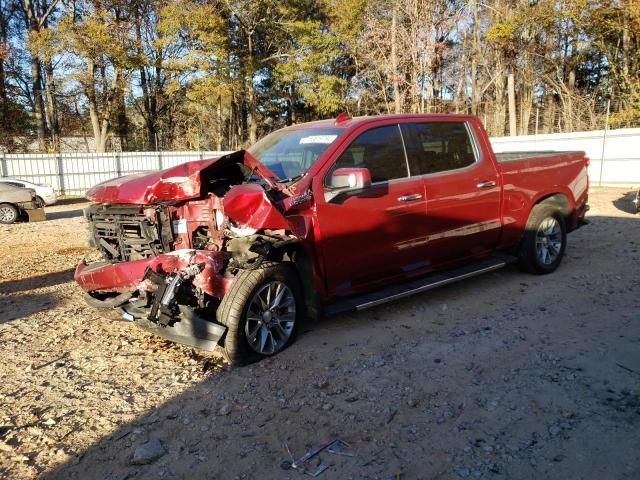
(544,241)
(40,202)
(8,213)
(262,312)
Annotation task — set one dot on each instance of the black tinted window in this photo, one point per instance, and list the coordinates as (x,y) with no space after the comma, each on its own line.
(438,147)
(380,150)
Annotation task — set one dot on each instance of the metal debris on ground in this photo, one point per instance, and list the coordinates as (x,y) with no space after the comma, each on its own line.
(336,448)
(333,446)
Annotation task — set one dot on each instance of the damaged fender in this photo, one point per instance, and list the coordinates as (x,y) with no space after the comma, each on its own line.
(249,206)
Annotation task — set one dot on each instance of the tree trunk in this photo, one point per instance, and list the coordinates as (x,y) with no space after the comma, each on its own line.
(52,105)
(149,112)
(499,113)
(38,103)
(219,126)
(100,123)
(4,103)
(90,92)
(397,103)
(123,122)
(549,101)
(511,92)
(252,124)
(475,53)
(4,106)
(36,79)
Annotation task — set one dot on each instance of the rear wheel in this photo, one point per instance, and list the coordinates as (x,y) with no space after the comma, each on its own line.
(40,202)
(262,311)
(544,240)
(8,213)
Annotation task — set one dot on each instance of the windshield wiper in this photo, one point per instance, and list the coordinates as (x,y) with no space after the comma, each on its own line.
(290,179)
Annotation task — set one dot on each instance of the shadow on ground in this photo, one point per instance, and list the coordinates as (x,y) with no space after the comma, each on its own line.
(625,203)
(70,200)
(22,305)
(64,214)
(40,281)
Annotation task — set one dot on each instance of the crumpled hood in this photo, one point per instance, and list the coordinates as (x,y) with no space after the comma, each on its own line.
(178,183)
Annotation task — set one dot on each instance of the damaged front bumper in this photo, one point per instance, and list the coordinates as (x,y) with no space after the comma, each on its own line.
(189,329)
(172,295)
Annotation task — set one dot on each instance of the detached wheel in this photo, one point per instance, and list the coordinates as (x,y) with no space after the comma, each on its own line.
(262,312)
(544,241)
(8,213)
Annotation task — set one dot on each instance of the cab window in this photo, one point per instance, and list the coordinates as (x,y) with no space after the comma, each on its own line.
(438,147)
(380,150)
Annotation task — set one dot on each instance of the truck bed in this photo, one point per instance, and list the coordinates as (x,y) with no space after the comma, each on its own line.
(528,155)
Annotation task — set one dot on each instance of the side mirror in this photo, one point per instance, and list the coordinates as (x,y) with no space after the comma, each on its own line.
(350,179)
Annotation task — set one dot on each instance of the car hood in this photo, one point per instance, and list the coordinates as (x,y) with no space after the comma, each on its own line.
(174,184)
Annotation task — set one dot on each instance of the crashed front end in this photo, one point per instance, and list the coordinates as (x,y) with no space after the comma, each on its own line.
(171,243)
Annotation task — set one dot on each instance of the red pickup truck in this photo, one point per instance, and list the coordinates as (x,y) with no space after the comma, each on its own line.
(326,216)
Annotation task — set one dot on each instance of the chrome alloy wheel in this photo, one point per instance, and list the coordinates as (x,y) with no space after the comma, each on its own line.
(271,316)
(7,214)
(548,241)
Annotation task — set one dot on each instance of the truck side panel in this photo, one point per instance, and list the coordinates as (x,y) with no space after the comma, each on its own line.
(527,182)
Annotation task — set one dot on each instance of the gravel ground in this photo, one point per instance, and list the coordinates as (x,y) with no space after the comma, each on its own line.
(503,376)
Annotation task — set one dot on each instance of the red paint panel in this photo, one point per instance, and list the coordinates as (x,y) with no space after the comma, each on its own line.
(124,277)
(112,277)
(177,183)
(526,182)
(248,205)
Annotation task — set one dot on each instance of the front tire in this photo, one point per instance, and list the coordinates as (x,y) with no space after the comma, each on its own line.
(8,213)
(544,241)
(262,311)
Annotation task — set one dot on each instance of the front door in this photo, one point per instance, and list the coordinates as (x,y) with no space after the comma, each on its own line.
(373,236)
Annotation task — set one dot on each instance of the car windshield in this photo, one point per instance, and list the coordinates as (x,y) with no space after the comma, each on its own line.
(290,153)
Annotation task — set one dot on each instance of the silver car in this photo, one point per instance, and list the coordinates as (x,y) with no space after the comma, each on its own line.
(18,203)
(45,194)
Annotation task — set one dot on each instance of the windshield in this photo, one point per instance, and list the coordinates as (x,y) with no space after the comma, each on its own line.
(290,153)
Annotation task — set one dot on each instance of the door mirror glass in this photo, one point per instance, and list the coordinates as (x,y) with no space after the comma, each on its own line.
(350,179)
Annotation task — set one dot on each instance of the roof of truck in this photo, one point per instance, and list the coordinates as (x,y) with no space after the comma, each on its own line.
(345,121)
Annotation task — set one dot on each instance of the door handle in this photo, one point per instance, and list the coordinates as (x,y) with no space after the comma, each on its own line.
(488,184)
(408,198)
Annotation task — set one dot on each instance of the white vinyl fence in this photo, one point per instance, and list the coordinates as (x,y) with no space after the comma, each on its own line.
(74,173)
(614,154)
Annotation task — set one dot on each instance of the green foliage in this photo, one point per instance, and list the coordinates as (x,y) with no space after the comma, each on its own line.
(212,73)
(309,65)
(502,31)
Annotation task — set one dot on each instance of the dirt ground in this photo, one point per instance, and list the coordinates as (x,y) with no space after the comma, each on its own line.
(502,376)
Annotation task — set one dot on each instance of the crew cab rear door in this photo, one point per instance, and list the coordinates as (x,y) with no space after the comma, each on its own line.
(371,236)
(462,189)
